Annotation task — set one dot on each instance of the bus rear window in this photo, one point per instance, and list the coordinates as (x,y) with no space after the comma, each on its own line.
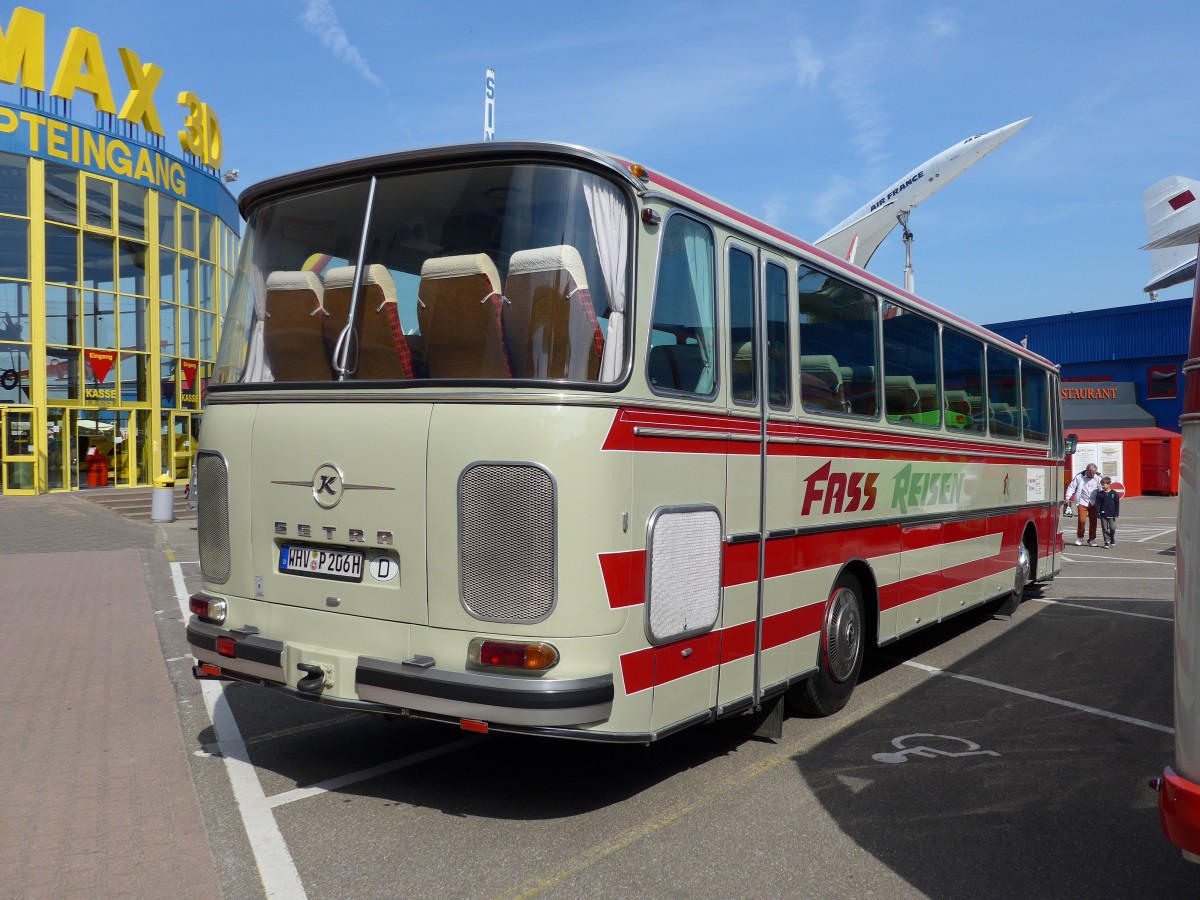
(487,273)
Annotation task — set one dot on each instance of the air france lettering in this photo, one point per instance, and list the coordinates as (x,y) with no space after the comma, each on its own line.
(925,488)
(894,192)
(839,492)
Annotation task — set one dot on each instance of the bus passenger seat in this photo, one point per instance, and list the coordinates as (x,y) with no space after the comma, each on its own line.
(821,383)
(295,313)
(901,395)
(678,367)
(550,326)
(383,351)
(458,310)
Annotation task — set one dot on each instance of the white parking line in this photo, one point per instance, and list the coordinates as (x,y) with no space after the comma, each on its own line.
(276,867)
(1158,535)
(1091,710)
(1115,612)
(1106,558)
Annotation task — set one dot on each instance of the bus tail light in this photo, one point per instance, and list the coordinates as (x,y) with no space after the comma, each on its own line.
(227,646)
(527,657)
(210,609)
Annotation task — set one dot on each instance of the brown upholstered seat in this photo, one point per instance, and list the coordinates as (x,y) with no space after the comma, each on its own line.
(550,326)
(382,349)
(458,309)
(292,339)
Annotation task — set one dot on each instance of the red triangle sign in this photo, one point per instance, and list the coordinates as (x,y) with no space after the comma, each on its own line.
(101,362)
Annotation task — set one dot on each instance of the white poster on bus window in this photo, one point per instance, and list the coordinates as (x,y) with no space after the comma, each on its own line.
(1035,484)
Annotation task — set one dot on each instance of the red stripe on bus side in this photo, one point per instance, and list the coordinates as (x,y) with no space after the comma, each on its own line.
(707,435)
(654,666)
(625,572)
(624,577)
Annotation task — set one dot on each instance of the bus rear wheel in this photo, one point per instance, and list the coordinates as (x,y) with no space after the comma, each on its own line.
(841,654)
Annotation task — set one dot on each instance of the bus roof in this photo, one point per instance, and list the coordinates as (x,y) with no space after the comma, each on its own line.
(649,182)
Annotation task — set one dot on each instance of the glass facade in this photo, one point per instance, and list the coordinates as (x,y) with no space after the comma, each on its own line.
(110,300)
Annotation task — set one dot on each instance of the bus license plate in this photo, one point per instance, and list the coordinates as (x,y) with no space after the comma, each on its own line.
(317,562)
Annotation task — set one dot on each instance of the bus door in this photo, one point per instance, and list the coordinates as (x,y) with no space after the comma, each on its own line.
(18,449)
(761,487)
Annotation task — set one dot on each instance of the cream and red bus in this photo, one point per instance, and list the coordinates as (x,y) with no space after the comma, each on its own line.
(526,437)
(1179,785)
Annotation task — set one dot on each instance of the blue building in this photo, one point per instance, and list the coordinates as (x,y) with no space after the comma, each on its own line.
(1144,344)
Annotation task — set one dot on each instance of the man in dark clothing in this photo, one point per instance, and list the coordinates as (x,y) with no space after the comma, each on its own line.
(1108,507)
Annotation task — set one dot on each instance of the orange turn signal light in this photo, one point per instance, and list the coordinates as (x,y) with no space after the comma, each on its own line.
(535,656)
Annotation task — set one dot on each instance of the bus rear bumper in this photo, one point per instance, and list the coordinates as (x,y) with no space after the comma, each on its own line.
(1179,810)
(513,700)
(382,685)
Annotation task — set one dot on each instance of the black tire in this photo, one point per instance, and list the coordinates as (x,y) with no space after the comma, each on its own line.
(840,658)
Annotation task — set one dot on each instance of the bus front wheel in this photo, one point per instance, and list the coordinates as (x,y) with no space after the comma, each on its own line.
(841,654)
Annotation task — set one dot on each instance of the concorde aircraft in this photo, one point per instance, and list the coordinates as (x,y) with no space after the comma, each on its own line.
(1173,223)
(859,236)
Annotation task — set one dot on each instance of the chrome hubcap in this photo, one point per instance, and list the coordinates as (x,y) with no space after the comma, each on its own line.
(843,634)
(1022,570)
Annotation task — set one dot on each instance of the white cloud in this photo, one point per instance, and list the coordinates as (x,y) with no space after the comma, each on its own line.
(941,24)
(808,64)
(319,20)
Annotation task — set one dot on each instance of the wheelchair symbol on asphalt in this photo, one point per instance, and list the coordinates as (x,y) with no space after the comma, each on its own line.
(903,751)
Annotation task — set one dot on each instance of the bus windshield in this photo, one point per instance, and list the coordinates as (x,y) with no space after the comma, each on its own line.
(481,273)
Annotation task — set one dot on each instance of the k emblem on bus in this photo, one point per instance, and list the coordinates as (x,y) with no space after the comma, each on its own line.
(327,486)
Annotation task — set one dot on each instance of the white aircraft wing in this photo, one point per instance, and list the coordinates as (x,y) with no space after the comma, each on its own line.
(1173,224)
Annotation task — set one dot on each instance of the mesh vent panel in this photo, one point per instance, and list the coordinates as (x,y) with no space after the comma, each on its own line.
(685,573)
(212,517)
(506,525)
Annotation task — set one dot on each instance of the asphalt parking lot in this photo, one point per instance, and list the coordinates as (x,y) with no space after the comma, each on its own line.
(983,757)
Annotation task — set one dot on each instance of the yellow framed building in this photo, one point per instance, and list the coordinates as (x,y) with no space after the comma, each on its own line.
(115,262)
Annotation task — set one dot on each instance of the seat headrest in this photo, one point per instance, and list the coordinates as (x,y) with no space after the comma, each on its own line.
(549,259)
(343,277)
(294,281)
(460,266)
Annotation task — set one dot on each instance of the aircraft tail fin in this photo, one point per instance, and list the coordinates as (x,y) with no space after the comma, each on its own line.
(1172,208)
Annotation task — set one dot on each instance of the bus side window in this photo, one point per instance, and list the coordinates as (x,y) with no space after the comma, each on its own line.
(838,326)
(1004,393)
(962,375)
(779,338)
(910,363)
(1034,397)
(681,356)
(743,333)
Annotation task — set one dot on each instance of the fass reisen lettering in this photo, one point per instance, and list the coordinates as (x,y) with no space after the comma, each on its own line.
(832,493)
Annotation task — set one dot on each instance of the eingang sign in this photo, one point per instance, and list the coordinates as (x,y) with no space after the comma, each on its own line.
(81,68)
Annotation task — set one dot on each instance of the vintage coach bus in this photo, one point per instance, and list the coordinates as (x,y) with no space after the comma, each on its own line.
(1179,786)
(525,437)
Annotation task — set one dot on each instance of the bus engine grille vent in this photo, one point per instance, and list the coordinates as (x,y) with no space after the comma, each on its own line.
(212,517)
(506,542)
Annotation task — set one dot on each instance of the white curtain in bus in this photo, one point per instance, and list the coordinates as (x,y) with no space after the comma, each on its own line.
(256,357)
(610,225)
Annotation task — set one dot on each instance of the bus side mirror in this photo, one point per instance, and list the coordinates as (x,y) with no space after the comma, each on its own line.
(1072,443)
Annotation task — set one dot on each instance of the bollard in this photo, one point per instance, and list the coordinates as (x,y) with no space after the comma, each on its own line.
(162,504)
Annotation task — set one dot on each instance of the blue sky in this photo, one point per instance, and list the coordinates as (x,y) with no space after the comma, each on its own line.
(795,112)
